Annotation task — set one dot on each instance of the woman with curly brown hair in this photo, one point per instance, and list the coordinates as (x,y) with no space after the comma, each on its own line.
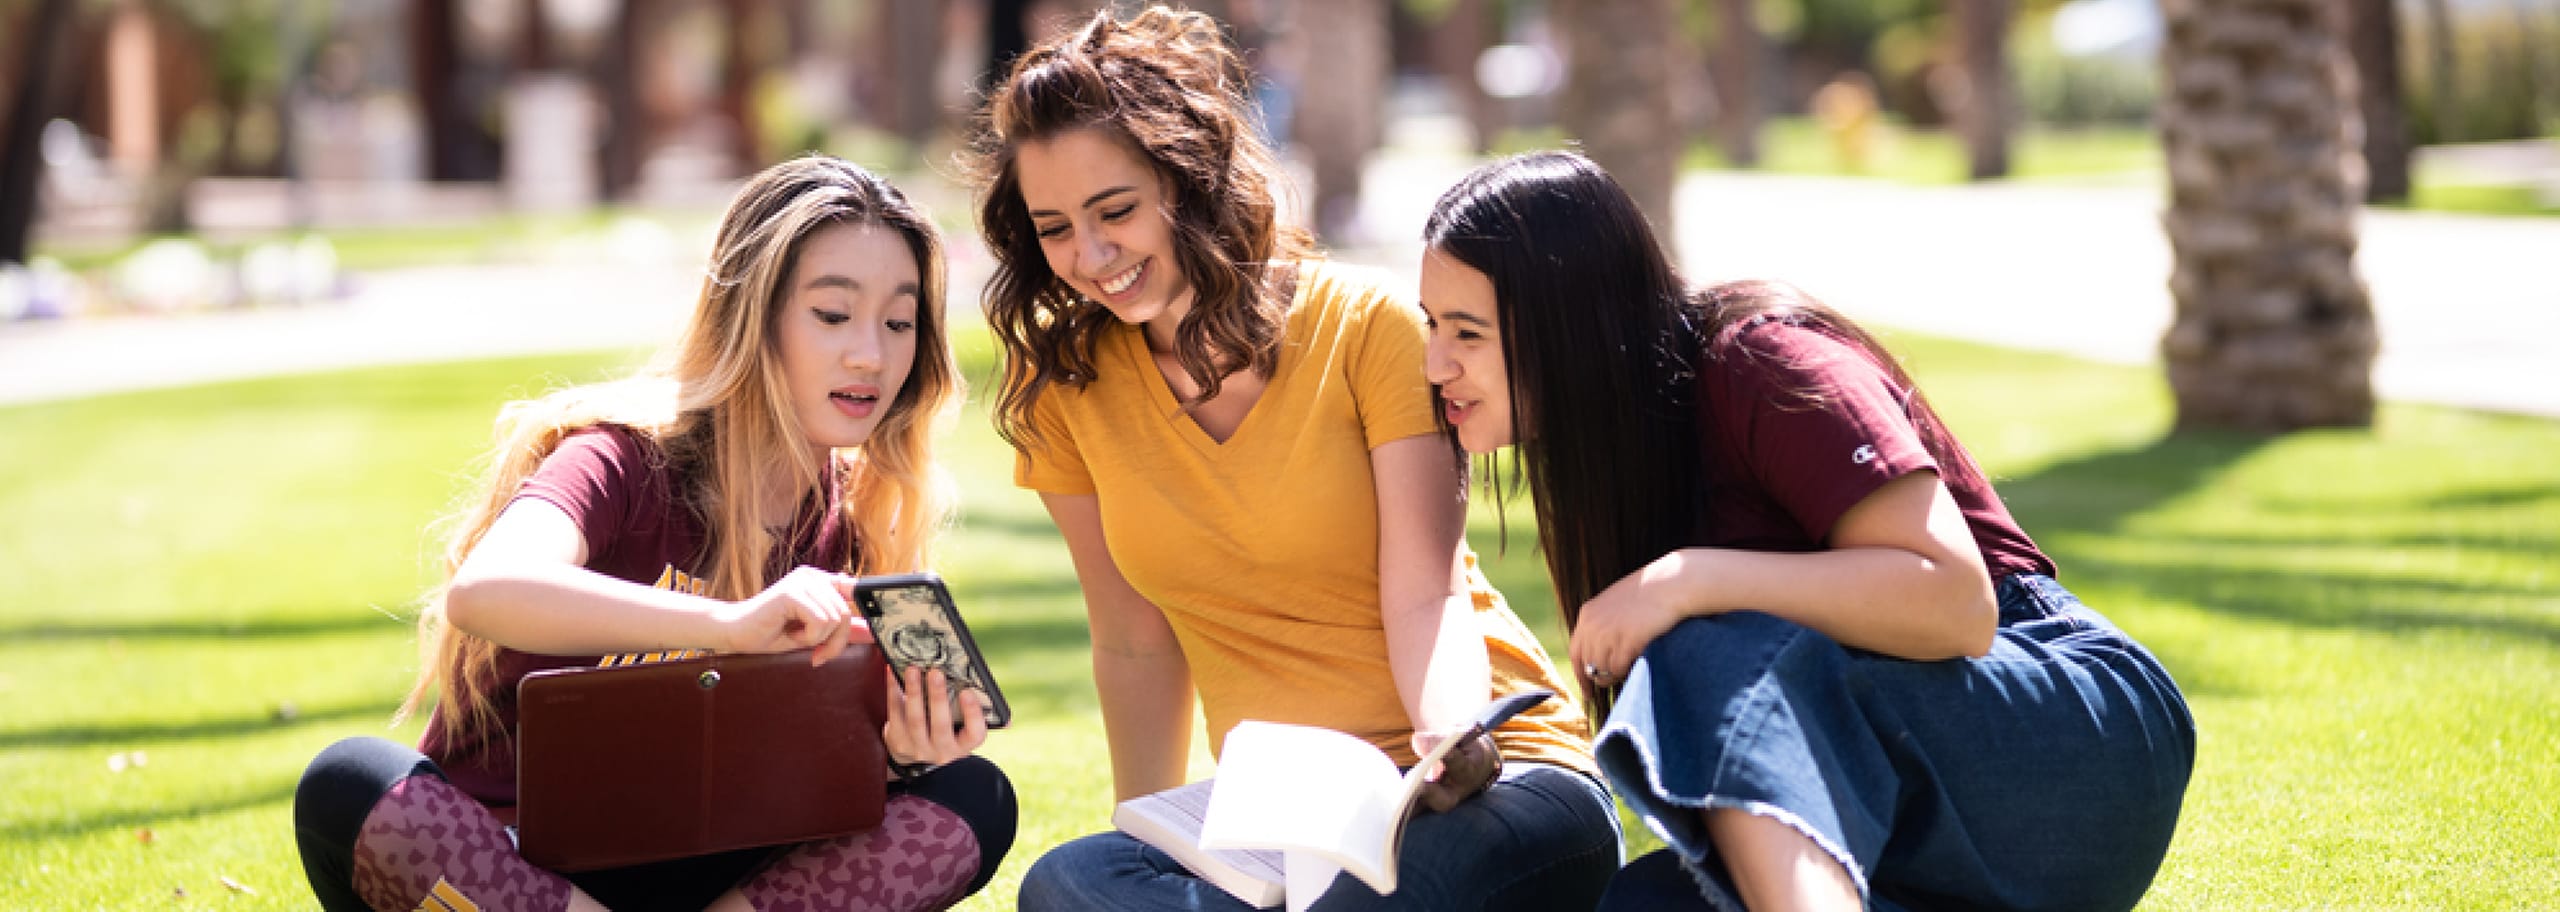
(1234,438)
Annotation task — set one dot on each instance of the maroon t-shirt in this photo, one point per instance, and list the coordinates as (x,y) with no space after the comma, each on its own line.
(1801,425)
(615,483)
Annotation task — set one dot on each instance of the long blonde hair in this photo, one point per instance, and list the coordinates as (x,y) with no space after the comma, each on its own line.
(716,405)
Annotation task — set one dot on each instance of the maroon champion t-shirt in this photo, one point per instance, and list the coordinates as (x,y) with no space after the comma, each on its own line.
(1782,468)
(615,483)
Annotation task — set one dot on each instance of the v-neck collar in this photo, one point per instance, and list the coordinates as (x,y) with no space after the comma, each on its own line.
(1160,390)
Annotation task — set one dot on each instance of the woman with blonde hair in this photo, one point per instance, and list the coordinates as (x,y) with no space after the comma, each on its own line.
(721,500)
(1235,441)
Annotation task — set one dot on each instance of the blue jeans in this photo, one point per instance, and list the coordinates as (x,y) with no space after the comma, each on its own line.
(1543,837)
(2045,775)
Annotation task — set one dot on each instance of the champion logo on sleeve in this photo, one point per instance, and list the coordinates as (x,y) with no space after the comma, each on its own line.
(1865,453)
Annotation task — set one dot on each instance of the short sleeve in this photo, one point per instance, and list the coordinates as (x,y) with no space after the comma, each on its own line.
(1817,421)
(1386,371)
(1051,463)
(594,477)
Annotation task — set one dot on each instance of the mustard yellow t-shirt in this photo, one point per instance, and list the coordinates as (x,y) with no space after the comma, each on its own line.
(1263,551)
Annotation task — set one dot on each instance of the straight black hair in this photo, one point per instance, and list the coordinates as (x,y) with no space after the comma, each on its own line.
(1603,342)
(1599,348)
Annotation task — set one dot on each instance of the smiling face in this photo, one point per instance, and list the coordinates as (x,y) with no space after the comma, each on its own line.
(847,330)
(1464,355)
(1103,215)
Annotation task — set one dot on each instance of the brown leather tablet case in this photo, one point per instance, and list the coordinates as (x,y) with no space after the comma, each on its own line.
(639,763)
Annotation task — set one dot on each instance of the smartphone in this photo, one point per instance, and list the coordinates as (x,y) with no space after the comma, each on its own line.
(916,624)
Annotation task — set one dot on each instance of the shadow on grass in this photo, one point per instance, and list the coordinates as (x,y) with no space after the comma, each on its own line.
(2094,497)
(130,733)
(88,823)
(209,629)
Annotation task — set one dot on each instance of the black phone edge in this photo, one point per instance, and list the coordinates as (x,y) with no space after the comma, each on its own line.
(998,715)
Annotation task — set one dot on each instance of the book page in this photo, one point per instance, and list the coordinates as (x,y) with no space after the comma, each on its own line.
(1304,789)
(1170,820)
(1308,877)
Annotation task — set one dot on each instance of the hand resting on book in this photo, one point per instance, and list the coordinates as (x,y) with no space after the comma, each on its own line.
(1469,769)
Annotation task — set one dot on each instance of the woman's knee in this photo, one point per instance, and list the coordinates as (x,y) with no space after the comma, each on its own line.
(1774,864)
(1077,874)
(344,782)
(978,790)
(337,793)
(1655,881)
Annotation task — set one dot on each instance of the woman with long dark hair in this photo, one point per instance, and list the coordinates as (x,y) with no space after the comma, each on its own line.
(1841,673)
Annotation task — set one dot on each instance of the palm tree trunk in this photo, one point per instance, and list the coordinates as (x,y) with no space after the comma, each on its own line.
(1617,97)
(915,51)
(2443,81)
(1459,39)
(626,128)
(1736,71)
(1341,106)
(30,108)
(2273,329)
(1982,44)
(2376,42)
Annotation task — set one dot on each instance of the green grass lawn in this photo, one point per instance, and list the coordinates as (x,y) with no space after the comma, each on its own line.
(219,580)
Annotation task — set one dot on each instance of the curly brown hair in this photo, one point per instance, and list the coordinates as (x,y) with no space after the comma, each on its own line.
(1167,84)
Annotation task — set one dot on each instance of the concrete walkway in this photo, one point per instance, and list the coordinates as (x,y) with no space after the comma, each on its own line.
(2469,306)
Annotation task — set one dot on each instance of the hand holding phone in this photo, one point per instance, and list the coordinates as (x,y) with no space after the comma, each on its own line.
(914,621)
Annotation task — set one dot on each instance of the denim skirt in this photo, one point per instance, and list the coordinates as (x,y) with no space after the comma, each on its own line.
(2045,775)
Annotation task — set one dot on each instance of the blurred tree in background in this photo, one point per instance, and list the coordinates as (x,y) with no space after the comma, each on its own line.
(2374,38)
(1618,95)
(2272,329)
(34,53)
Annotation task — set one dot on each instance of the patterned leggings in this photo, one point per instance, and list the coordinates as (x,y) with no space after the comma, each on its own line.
(380,828)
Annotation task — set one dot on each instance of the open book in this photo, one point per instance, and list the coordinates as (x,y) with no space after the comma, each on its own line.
(1292,806)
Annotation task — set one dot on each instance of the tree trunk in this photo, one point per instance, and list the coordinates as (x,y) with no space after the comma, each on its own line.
(2443,80)
(30,108)
(1459,39)
(1736,70)
(534,51)
(1982,45)
(1008,35)
(2530,65)
(742,64)
(626,129)
(915,55)
(2273,329)
(1617,96)
(1341,106)
(458,147)
(2375,38)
